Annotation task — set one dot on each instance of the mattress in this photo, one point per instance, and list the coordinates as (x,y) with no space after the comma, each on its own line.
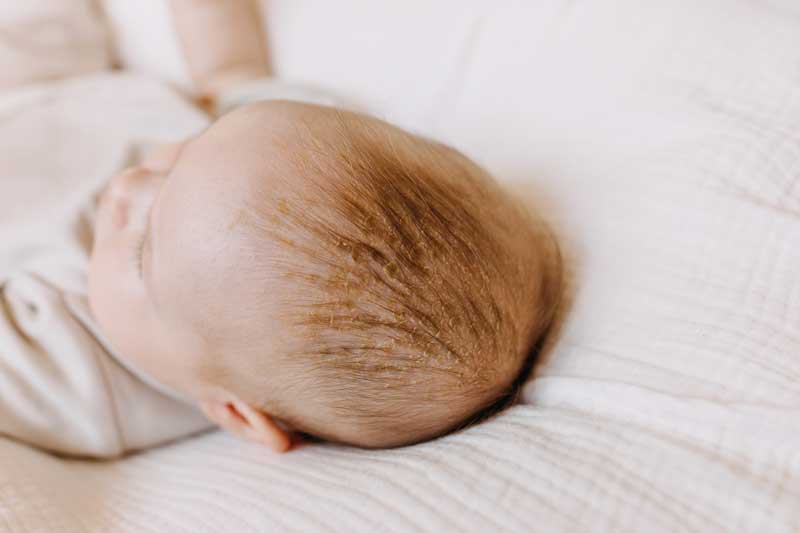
(661,140)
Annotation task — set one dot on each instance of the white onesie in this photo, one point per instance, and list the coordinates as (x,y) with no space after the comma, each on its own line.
(62,388)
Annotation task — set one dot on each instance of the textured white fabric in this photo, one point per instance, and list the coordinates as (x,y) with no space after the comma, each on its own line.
(661,140)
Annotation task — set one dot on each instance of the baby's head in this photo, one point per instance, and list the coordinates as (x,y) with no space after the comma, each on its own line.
(305,268)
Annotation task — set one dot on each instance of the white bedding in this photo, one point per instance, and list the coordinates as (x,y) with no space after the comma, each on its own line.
(662,140)
(44,40)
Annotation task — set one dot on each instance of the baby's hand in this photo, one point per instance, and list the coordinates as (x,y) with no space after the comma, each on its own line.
(223,43)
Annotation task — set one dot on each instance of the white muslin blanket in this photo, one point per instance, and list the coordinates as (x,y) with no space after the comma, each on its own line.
(662,140)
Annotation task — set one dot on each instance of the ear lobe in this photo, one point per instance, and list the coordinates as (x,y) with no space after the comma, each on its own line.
(247,422)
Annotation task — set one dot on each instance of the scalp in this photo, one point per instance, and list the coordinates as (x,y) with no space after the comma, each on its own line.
(416,287)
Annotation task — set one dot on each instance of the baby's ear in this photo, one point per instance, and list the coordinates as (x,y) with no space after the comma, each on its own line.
(247,422)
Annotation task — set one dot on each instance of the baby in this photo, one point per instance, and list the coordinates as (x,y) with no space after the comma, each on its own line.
(298,268)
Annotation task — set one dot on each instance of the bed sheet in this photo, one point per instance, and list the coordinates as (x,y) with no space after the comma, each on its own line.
(661,141)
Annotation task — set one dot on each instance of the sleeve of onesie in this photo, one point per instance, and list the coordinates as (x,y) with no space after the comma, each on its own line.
(61,389)
(56,402)
(275,89)
(53,388)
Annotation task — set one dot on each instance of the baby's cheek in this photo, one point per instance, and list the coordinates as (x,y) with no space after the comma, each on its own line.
(95,284)
(112,217)
(112,300)
(107,280)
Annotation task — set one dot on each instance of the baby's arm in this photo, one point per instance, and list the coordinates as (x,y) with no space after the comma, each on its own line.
(223,43)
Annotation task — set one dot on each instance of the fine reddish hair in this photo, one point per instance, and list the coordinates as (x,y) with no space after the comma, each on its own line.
(421,289)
